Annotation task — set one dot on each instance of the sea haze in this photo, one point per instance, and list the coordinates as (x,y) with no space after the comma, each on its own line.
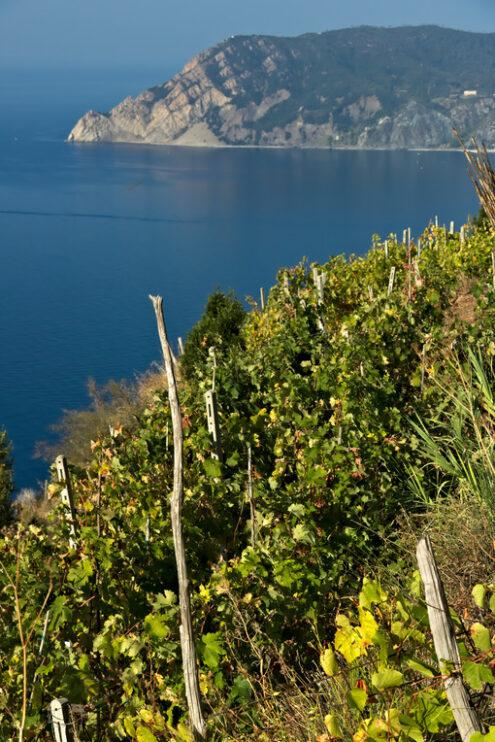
(88,231)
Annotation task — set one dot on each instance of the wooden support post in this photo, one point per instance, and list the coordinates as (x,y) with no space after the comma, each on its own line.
(251,496)
(286,285)
(445,642)
(38,658)
(391,280)
(339,435)
(147,531)
(409,268)
(436,221)
(59,717)
(386,249)
(262,297)
(419,247)
(211,353)
(423,353)
(404,236)
(66,494)
(319,280)
(451,230)
(213,427)
(409,237)
(463,234)
(181,346)
(188,648)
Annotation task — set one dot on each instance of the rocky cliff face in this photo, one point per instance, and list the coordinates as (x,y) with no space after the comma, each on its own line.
(366,88)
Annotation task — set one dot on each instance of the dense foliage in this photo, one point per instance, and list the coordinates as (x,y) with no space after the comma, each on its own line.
(324,387)
(6,479)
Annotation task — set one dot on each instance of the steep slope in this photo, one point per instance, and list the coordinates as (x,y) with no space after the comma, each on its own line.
(364,87)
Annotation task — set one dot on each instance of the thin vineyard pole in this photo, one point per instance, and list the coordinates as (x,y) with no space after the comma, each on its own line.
(188,649)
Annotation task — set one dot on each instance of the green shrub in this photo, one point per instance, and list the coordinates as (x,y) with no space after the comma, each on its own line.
(6,479)
(220,325)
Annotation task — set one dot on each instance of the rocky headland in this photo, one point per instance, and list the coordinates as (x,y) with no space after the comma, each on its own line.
(363,87)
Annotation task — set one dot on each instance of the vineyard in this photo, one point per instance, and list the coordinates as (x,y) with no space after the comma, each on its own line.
(321,432)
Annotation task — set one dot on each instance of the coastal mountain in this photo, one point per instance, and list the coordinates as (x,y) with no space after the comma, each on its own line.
(361,87)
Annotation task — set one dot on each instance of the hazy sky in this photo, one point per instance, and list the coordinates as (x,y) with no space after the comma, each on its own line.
(37,33)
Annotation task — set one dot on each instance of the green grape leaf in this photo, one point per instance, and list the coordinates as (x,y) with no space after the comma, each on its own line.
(426,670)
(387,678)
(479,593)
(143,734)
(357,698)
(481,637)
(333,726)
(329,662)
(476,675)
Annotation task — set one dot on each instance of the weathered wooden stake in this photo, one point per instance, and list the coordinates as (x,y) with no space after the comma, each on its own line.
(423,354)
(188,648)
(59,717)
(211,353)
(445,643)
(40,653)
(419,247)
(251,497)
(391,280)
(181,346)
(404,236)
(339,435)
(436,221)
(409,272)
(286,285)
(213,426)
(451,230)
(386,249)
(67,499)
(262,297)
(319,280)
(463,234)
(408,237)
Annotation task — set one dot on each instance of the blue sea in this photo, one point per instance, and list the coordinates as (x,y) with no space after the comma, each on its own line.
(87,232)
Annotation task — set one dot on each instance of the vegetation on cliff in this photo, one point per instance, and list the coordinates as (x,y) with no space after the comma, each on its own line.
(365,87)
(336,389)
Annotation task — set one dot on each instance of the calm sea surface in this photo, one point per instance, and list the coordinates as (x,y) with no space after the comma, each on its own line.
(88,231)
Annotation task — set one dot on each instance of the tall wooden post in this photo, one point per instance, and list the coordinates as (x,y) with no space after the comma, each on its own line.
(188,649)
(251,496)
(445,642)
(391,280)
(66,494)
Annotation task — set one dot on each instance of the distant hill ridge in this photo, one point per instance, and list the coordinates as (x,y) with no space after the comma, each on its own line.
(360,87)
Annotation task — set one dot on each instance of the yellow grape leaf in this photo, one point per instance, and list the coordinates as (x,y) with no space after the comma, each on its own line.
(329,662)
(369,626)
(349,643)
(360,735)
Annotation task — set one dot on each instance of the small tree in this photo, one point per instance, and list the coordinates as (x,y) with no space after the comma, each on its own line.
(220,324)
(6,479)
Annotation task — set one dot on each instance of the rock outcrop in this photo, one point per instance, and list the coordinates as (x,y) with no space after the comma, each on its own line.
(362,87)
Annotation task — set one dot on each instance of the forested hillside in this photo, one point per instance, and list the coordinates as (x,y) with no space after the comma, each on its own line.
(358,403)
